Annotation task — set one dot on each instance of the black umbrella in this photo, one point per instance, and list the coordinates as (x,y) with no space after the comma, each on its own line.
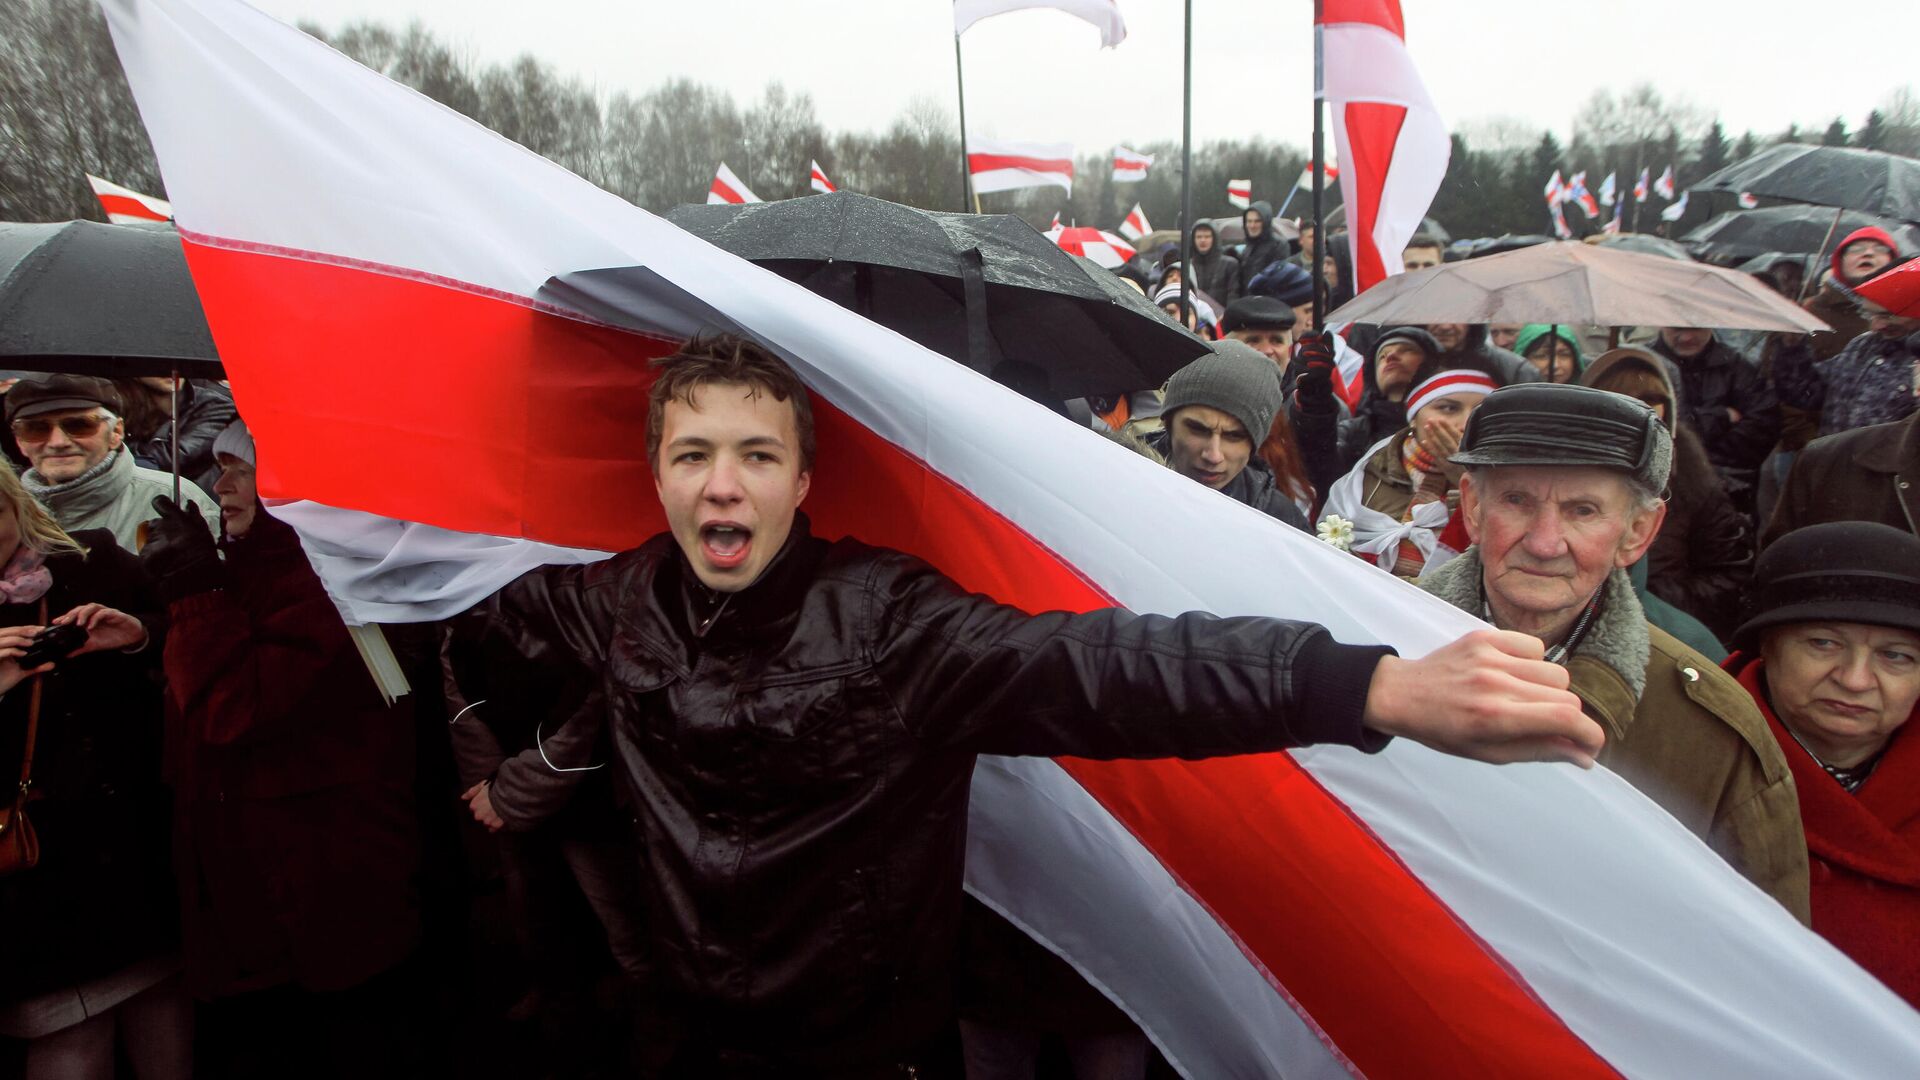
(1833,176)
(112,300)
(1494,245)
(1799,229)
(981,289)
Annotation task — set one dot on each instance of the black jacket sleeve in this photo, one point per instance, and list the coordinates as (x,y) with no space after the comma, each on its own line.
(1795,378)
(964,671)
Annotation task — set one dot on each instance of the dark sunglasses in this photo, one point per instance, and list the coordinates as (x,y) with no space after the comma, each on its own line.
(36,429)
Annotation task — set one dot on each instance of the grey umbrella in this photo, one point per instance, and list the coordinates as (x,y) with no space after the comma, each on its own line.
(1742,234)
(981,289)
(1834,176)
(1644,243)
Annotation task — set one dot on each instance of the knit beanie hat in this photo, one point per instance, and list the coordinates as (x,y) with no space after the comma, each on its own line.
(1533,332)
(1284,281)
(1447,383)
(235,441)
(1234,378)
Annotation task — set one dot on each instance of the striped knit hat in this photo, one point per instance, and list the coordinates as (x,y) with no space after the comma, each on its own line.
(1451,381)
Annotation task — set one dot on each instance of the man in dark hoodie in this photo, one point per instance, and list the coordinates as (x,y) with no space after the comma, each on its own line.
(1215,272)
(1466,346)
(1263,248)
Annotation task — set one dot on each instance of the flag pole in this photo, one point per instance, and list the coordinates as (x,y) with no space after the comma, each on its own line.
(1319,175)
(1186,176)
(966,171)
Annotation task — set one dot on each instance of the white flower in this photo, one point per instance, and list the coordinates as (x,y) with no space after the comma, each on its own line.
(1336,530)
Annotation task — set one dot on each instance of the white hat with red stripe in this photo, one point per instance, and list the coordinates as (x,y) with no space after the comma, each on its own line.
(1452,381)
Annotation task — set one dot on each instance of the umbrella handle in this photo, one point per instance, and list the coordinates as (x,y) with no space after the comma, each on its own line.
(174,433)
(1809,278)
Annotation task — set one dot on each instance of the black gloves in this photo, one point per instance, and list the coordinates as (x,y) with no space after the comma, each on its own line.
(1313,381)
(181,555)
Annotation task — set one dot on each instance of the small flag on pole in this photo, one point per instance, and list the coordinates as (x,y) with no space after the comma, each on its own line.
(727,188)
(819,180)
(1612,226)
(1103,248)
(1009,166)
(1130,165)
(1103,14)
(1556,189)
(1055,226)
(1240,193)
(1607,191)
(1135,226)
(1663,187)
(1305,183)
(1560,226)
(1677,210)
(1748,201)
(1578,195)
(125,206)
(1640,187)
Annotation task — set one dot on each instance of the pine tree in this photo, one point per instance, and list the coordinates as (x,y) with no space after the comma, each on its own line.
(1746,148)
(1873,133)
(1713,149)
(1792,134)
(1836,133)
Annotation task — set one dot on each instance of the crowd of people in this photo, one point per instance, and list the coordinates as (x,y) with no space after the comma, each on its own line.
(719,781)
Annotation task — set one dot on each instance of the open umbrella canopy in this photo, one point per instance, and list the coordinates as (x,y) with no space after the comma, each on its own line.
(1742,234)
(94,299)
(1572,283)
(913,270)
(1644,243)
(1833,176)
(1896,289)
(1493,245)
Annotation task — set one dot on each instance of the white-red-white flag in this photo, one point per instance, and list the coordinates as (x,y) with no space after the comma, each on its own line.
(1608,190)
(1556,189)
(1678,210)
(1393,146)
(819,180)
(1099,245)
(1054,226)
(1642,185)
(1663,187)
(1103,14)
(125,206)
(1578,195)
(1748,201)
(727,188)
(997,165)
(1240,193)
(1322,913)
(1560,226)
(1130,165)
(1305,183)
(1135,226)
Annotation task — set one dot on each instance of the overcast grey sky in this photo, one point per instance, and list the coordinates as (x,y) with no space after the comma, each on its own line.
(1041,75)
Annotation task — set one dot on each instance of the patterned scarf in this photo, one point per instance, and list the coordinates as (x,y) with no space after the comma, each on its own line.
(25,577)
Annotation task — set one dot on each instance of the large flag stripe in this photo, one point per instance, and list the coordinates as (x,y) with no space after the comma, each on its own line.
(125,206)
(986,162)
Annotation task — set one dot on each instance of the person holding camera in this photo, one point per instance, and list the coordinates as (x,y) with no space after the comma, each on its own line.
(89,955)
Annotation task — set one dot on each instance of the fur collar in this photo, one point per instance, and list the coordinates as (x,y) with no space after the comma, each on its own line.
(1618,639)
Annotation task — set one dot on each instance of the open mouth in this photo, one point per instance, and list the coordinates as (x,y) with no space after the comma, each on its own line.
(725,544)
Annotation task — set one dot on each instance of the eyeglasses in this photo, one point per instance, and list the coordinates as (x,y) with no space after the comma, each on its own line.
(37,429)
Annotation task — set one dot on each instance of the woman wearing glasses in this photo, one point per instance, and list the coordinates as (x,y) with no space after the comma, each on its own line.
(89,956)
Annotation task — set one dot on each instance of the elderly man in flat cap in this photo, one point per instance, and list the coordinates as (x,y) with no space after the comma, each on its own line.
(1563,492)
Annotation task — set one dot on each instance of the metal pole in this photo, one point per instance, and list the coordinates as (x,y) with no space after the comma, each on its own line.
(1813,272)
(966,173)
(1319,176)
(174,432)
(1186,180)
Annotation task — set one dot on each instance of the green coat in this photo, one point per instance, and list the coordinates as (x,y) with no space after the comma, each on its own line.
(1682,731)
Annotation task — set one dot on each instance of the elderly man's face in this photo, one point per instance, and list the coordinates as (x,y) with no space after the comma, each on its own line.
(1863,259)
(1503,335)
(1549,536)
(1270,342)
(1450,335)
(1842,688)
(1207,445)
(63,445)
(1420,258)
(730,480)
(1686,342)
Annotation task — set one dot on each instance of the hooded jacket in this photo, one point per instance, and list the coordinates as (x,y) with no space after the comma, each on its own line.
(1477,352)
(1714,387)
(1261,251)
(1215,273)
(1680,730)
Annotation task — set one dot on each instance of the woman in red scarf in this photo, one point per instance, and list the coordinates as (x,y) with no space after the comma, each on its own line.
(1831,653)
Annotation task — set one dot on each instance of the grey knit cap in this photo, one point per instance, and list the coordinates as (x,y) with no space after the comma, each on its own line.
(1234,378)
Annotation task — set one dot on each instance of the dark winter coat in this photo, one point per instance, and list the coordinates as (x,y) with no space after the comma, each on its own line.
(1717,380)
(1703,558)
(1216,273)
(1254,486)
(206,409)
(102,896)
(1262,251)
(1867,474)
(1863,847)
(296,839)
(1479,354)
(800,768)
(1868,382)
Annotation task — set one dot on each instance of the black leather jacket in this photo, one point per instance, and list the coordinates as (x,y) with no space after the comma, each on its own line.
(799,771)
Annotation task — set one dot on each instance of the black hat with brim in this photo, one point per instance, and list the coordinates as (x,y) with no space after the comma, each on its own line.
(1256,313)
(1840,571)
(1561,424)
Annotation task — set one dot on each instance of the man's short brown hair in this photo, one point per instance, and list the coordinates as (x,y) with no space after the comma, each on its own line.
(726,359)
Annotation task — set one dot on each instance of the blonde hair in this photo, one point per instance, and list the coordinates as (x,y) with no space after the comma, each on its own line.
(38,530)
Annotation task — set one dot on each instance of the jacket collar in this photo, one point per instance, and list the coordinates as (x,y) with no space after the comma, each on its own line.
(91,491)
(697,617)
(1608,668)
(1875,831)
(1893,450)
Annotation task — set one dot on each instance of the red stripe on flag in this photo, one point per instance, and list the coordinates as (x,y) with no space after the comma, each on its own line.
(410,396)
(980,163)
(1373,129)
(129,206)
(1384,14)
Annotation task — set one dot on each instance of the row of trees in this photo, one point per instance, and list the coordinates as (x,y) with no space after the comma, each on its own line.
(65,111)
